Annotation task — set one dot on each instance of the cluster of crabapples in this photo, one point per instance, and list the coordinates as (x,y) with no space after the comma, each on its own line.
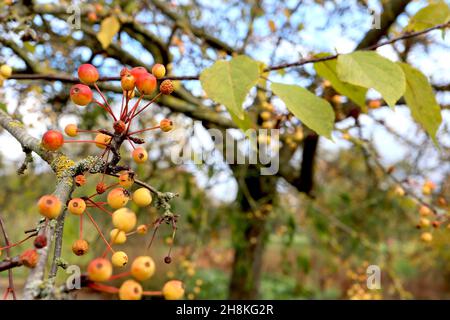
(137,81)
(429,218)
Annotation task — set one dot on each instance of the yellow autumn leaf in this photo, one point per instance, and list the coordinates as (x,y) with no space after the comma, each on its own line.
(272,26)
(108,29)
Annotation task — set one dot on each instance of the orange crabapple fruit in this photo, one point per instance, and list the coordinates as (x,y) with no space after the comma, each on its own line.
(159,71)
(124,72)
(118,198)
(92,17)
(130,290)
(425,211)
(119,126)
(71,130)
(166,125)
(52,140)
(99,269)
(124,219)
(126,179)
(101,140)
(80,180)
(81,94)
(76,206)
(139,155)
(29,258)
(428,187)
(136,72)
(100,187)
(127,82)
(87,73)
(117,236)
(374,104)
(166,87)
(142,197)
(142,229)
(49,206)
(146,83)
(143,268)
(80,247)
(173,290)
(119,259)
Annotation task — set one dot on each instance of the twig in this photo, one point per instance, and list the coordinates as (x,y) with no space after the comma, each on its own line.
(8,254)
(70,79)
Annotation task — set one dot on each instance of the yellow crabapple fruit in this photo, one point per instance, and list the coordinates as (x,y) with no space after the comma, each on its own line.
(426,237)
(159,71)
(76,206)
(118,236)
(399,191)
(142,197)
(99,269)
(139,155)
(424,222)
(130,290)
(101,140)
(119,259)
(118,198)
(127,82)
(5,71)
(265,115)
(425,211)
(166,125)
(126,179)
(124,219)
(173,290)
(142,268)
(71,130)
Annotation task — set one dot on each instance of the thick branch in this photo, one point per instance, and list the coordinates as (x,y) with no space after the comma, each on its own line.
(10,263)
(271,68)
(183,23)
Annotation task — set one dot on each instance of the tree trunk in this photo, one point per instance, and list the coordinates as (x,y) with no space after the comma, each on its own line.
(255,196)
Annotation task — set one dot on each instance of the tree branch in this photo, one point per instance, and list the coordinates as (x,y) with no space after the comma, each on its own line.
(12,262)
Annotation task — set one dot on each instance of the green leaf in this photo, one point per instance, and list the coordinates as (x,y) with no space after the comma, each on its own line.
(370,70)
(431,15)
(108,29)
(229,82)
(313,111)
(3,107)
(328,70)
(243,124)
(421,100)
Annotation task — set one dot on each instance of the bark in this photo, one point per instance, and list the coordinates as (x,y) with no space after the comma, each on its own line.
(249,238)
